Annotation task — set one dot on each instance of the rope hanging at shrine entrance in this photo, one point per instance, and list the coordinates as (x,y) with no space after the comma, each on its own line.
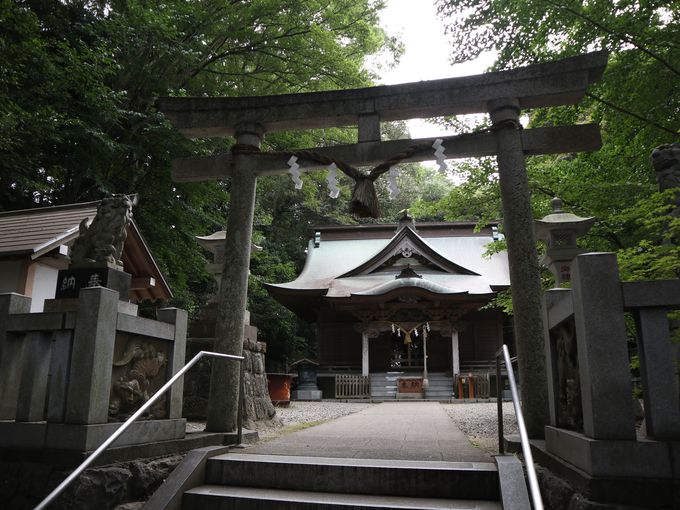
(364,201)
(398,329)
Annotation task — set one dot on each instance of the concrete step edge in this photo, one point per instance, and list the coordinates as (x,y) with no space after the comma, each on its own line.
(307,498)
(353,462)
(439,479)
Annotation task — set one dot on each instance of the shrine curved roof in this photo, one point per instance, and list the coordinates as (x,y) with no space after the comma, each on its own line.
(331,266)
(420,283)
(383,284)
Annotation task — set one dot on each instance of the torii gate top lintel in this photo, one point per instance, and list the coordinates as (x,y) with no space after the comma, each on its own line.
(550,84)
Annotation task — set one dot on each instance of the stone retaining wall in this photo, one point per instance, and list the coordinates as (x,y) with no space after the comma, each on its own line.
(118,486)
(258,405)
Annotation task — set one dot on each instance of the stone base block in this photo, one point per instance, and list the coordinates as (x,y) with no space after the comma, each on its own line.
(410,396)
(85,438)
(71,305)
(89,437)
(69,459)
(612,458)
(306,395)
(70,281)
(628,492)
(22,434)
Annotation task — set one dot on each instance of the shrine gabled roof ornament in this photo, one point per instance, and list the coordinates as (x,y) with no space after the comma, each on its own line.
(408,244)
(411,283)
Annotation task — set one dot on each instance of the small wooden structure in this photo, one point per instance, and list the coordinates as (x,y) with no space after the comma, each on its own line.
(410,385)
(352,386)
(35,243)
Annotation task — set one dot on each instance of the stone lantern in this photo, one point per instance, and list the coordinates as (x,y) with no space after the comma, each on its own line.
(214,243)
(560,231)
(306,380)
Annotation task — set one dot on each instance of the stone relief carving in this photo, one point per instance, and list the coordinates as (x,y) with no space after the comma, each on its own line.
(141,364)
(570,411)
(101,242)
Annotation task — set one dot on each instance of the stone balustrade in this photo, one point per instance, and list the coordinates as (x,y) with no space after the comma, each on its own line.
(592,424)
(71,374)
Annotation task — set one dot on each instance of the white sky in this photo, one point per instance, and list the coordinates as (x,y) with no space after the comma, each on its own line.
(426,52)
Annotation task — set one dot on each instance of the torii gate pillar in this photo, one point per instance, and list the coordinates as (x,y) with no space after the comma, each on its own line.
(524,269)
(224,380)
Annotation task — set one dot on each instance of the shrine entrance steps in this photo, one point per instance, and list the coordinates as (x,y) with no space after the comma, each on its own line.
(243,481)
(384,385)
(407,455)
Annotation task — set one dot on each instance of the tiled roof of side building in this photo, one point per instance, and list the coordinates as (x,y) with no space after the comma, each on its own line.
(29,230)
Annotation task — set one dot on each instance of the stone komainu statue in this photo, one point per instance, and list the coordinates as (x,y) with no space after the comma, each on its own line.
(102,241)
(666,163)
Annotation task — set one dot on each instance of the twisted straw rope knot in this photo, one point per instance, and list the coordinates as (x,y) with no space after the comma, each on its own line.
(364,201)
(244,148)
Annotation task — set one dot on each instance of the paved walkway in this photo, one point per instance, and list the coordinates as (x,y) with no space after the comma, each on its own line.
(396,431)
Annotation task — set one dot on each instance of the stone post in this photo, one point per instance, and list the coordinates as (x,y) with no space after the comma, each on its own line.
(176,354)
(10,353)
(524,270)
(550,299)
(35,364)
(87,400)
(231,310)
(59,372)
(11,303)
(606,387)
(657,371)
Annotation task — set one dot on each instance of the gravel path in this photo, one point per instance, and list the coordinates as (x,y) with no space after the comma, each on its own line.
(298,413)
(303,412)
(479,422)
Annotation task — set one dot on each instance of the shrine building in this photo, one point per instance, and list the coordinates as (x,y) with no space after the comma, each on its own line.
(398,309)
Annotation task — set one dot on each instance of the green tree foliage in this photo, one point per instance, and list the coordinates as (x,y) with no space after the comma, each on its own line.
(636,104)
(78,81)
(476,197)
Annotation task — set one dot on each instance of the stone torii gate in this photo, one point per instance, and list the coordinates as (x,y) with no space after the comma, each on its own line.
(500,94)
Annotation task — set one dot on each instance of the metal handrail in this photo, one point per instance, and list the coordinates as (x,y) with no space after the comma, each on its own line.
(91,458)
(524,437)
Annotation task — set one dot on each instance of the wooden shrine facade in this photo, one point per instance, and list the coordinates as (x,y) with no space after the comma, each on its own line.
(401,298)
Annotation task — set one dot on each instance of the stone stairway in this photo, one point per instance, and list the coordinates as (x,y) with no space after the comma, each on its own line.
(384,385)
(398,454)
(441,386)
(280,482)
